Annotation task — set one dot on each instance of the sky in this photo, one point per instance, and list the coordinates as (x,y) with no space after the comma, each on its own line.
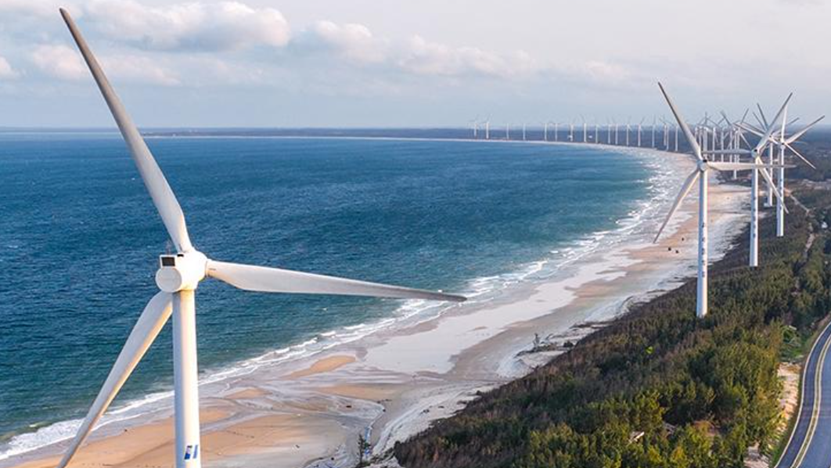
(410,63)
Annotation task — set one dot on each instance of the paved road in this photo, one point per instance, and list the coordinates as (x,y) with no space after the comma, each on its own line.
(810,443)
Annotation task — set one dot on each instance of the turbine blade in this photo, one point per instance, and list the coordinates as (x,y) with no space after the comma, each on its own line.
(764,120)
(798,134)
(772,187)
(751,129)
(803,158)
(275,280)
(687,132)
(728,166)
(772,127)
(685,189)
(724,117)
(149,324)
(728,151)
(163,197)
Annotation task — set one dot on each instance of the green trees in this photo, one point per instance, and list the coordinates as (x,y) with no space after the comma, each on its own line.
(657,388)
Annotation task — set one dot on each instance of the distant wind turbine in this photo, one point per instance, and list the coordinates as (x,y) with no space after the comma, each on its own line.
(784,143)
(756,156)
(178,277)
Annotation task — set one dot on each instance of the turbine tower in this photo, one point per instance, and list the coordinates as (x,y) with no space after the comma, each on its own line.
(701,175)
(178,277)
(585,130)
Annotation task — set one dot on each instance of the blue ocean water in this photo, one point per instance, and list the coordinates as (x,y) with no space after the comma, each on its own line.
(79,240)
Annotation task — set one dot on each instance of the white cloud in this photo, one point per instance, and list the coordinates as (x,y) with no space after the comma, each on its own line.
(6,70)
(138,69)
(195,26)
(431,58)
(63,62)
(59,61)
(351,41)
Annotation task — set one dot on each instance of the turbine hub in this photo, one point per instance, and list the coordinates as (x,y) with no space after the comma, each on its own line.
(181,271)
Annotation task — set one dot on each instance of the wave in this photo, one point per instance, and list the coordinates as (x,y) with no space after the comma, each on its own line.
(659,186)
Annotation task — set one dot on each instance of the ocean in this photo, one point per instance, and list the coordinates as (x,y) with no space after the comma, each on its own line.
(79,240)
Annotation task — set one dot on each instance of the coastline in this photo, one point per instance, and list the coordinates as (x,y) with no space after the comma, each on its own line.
(395,382)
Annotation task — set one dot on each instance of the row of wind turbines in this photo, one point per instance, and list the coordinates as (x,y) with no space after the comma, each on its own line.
(717,146)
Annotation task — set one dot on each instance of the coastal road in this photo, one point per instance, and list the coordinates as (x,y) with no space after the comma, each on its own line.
(810,442)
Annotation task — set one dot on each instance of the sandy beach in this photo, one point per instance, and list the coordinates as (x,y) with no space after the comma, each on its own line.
(393,383)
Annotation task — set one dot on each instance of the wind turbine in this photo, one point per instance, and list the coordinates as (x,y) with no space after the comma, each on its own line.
(475,123)
(507,131)
(785,143)
(178,277)
(488,129)
(556,131)
(700,174)
(571,131)
(756,155)
(763,123)
(654,122)
(545,131)
(628,126)
(608,132)
(585,130)
(523,132)
(640,131)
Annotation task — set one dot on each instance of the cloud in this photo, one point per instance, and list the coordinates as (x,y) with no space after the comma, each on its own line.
(431,58)
(351,41)
(59,61)
(6,70)
(63,62)
(139,69)
(195,26)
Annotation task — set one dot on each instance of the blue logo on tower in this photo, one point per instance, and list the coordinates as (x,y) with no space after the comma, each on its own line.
(191,452)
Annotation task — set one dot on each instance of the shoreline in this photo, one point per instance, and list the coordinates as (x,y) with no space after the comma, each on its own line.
(312,409)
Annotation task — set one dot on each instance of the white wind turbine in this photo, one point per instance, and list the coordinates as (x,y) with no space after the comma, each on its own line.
(756,156)
(700,174)
(608,132)
(628,128)
(784,144)
(640,131)
(488,129)
(523,132)
(178,277)
(654,123)
(585,130)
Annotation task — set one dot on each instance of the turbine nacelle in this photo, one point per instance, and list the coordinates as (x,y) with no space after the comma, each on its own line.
(182,271)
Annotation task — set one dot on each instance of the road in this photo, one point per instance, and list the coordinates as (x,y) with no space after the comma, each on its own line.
(810,443)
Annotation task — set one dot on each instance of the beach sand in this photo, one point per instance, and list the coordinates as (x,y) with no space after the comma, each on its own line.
(394,383)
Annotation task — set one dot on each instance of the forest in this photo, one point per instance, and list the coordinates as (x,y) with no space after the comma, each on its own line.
(658,388)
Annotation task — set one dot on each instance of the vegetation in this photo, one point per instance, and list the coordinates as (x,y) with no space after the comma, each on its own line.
(657,388)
